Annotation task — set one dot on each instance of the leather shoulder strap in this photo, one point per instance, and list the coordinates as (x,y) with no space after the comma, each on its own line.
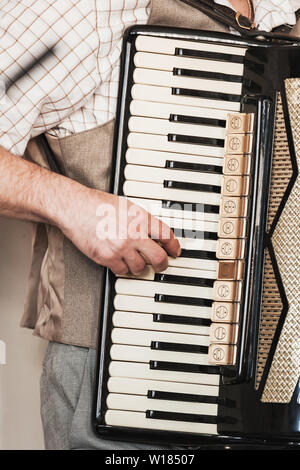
(235,20)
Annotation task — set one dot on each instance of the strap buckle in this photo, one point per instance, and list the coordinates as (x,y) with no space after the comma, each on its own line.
(237,19)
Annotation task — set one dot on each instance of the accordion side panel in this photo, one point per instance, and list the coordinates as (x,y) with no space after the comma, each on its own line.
(285,368)
(281,164)
(270,313)
(271,301)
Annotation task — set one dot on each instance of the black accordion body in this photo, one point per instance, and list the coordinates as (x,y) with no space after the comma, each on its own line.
(207,353)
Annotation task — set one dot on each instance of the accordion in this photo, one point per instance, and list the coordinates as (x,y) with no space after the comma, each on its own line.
(207,353)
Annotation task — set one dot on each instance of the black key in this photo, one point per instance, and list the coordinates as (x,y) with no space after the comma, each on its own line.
(189,397)
(212,95)
(187,417)
(184,280)
(178,320)
(237,59)
(202,168)
(177,347)
(198,254)
(206,188)
(194,234)
(181,367)
(224,77)
(207,208)
(174,299)
(191,139)
(197,120)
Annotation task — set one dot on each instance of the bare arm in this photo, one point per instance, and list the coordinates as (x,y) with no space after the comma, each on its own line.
(30,192)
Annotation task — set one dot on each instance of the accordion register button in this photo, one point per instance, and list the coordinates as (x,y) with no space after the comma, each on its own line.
(229,291)
(233,206)
(225,333)
(240,123)
(222,354)
(235,186)
(238,143)
(225,312)
(237,165)
(230,270)
(232,228)
(230,248)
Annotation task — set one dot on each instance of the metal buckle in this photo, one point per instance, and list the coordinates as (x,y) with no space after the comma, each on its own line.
(237,19)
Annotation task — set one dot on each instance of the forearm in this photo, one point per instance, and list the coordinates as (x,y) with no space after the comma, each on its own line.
(30,192)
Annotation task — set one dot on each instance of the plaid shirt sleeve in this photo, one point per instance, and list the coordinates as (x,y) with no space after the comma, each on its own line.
(61,84)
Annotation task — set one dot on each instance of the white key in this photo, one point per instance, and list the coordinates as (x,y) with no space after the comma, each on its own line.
(159,159)
(143,371)
(162,78)
(144,337)
(117,401)
(197,244)
(157,191)
(166,62)
(133,419)
(168,46)
(144,321)
(163,110)
(149,273)
(199,225)
(148,305)
(159,175)
(160,142)
(155,208)
(148,125)
(164,95)
(141,387)
(194,263)
(141,354)
(150,288)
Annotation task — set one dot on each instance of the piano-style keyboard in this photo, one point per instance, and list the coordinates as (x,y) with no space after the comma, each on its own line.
(169,333)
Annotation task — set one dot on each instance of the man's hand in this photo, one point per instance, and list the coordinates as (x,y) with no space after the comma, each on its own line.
(109,229)
(116,233)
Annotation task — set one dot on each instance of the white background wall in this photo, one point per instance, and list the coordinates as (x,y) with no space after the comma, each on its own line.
(20,425)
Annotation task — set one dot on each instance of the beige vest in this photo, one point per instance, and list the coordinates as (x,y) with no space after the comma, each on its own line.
(64,292)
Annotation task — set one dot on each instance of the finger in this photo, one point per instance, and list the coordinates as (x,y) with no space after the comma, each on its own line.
(154,254)
(118,267)
(135,262)
(162,232)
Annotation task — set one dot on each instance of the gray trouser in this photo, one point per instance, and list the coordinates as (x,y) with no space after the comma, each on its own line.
(66,400)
